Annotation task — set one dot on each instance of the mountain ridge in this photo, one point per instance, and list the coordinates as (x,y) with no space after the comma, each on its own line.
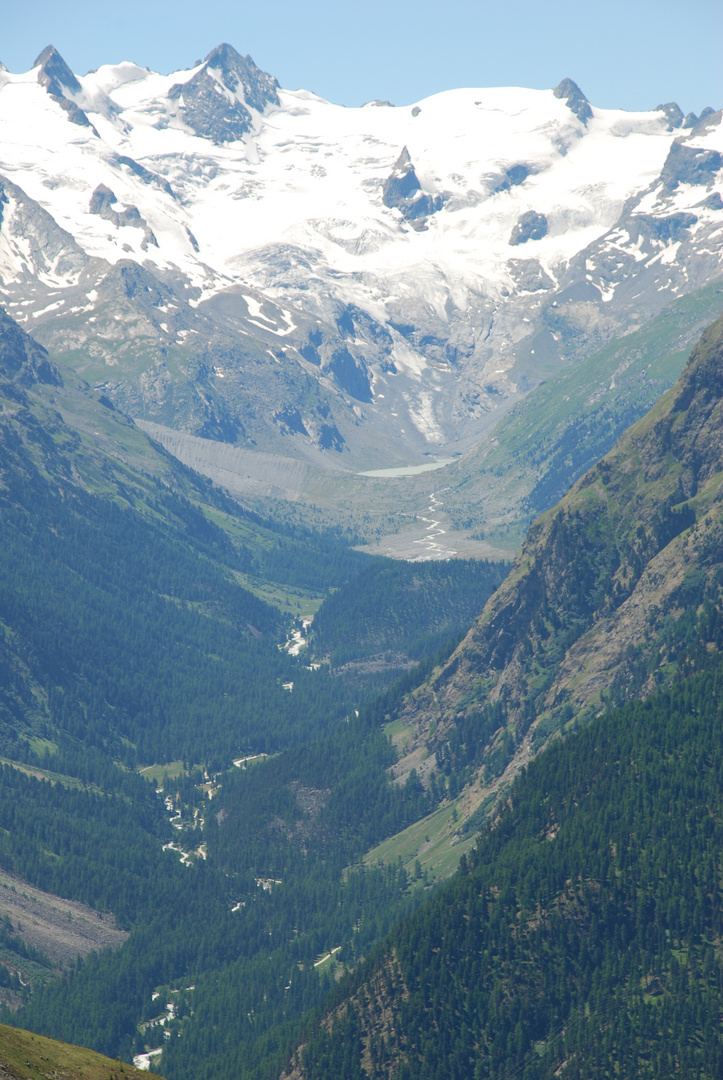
(395,325)
(603,604)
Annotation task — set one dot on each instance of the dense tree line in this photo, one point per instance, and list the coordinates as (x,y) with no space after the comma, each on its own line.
(402,608)
(131,631)
(583,937)
(244,926)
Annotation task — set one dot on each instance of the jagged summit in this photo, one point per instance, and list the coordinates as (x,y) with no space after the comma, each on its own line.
(403,191)
(259,88)
(54,74)
(429,262)
(569,92)
(57,78)
(215,101)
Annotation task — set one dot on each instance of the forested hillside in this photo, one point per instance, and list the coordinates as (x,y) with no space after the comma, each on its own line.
(394,613)
(142,657)
(583,937)
(126,623)
(144,619)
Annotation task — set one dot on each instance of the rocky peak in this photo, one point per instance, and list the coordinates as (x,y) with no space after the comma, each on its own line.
(569,92)
(403,191)
(257,87)
(689,165)
(54,73)
(530,226)
(57,78)
(215,101)
(673,114)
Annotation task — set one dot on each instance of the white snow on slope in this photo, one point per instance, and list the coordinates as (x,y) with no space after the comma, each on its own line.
(311,173)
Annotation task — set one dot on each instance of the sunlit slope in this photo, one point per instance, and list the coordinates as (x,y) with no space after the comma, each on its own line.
(25,1056)
(611,589)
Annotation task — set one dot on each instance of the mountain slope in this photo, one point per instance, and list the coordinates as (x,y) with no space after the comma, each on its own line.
(126,623)
(609,590)
(135,662)
(24,1056)
(582,936)
(582,939)
(387,281)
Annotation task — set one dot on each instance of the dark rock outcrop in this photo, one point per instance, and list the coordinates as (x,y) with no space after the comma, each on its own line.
(713,202)
(689,165)
(531,226)
(352,378)
(512,177)
(673,114)
(215,102)
(57,78)
(401,190)
(101,203)
(569,92)
(668,229)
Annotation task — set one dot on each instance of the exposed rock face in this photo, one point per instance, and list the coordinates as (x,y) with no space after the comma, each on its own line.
(673,114)
(569,92)
(529,275)
(214,101)
(402,190)
(531,226)
(37,234)
(54,73)
(350,376)
(101,203)
(590,610)
(689,165)
(57,78)
(668,229)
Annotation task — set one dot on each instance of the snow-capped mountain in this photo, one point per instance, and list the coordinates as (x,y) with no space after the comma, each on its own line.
(351,286)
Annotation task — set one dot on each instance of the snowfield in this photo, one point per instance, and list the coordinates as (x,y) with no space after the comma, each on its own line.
(406,260)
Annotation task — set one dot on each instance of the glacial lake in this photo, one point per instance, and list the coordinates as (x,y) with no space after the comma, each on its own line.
(410,470)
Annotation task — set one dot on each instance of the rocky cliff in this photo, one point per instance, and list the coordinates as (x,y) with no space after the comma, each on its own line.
(611,593)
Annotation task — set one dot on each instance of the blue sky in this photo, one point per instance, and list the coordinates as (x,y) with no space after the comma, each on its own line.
(631,54)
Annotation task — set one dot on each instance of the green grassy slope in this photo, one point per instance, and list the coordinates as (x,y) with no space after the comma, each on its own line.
(565,425)
(26,1056)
